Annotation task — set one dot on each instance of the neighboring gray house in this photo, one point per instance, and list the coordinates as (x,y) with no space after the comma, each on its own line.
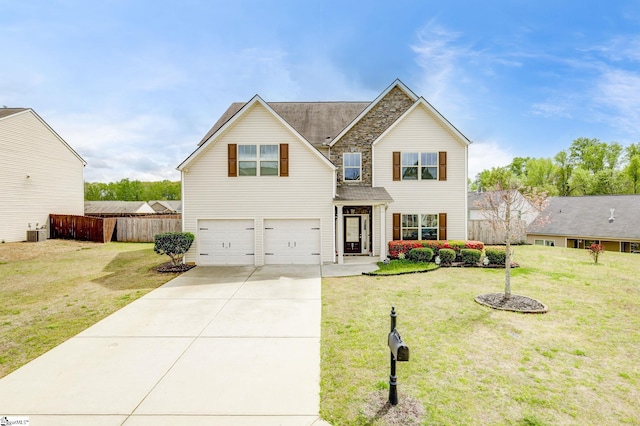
(40,174)
(296,182)
(166,206)
(578,222)
(480,227)
(117,208)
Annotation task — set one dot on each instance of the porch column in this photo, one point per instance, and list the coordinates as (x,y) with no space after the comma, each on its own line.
(340,239)
(383,236)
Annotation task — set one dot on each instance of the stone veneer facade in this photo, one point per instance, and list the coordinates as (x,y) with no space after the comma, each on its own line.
(360,137)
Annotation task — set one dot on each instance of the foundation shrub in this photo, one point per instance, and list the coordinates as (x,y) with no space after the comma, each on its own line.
(447,256)
(496,256)
(423,254)
(470,256)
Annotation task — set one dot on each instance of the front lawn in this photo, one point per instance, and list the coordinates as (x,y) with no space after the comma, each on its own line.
(403,266)
(54,289)
(577,364)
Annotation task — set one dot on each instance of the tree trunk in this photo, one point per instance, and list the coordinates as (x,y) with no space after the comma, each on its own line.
(507,253)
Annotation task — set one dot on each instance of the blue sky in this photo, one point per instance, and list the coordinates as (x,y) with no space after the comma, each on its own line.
(134,85)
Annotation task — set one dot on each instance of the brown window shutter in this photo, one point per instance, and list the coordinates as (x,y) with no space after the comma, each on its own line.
(284,159)
(442,165)
(396,226)
(232,159)
(442,226)
(396,166)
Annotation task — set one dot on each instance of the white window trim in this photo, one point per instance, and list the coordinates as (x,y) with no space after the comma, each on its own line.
(258,160)
(419,227)
(344,167)
(419,166)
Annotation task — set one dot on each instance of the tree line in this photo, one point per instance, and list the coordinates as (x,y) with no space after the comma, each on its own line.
(588,167)
(132,190)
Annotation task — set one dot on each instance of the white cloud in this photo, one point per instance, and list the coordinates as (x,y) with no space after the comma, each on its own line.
(485,155)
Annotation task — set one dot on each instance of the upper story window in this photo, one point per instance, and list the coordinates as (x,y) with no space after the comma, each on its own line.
(419,165)
(352,166)
(258,160)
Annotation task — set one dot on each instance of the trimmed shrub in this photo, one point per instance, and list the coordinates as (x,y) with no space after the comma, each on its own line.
(423,254)
(404,246)
(447,256)
(470,256)
(173,244)
(496,256)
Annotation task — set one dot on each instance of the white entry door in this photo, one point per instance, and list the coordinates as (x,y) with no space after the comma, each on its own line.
(292,241)
(226,242)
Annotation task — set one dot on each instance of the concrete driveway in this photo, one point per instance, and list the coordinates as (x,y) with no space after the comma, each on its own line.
(217,345)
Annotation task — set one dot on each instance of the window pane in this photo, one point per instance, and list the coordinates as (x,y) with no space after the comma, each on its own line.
(352,173)
(409,234)
(409,173)
(430,220)
(246,152)
(247,168)
(269,152)
(410,220)
(429,159)
(268,168)
(409,158)
(429,173)
(352,159)
(429,234)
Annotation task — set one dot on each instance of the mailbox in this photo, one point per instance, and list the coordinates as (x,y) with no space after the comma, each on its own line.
(399,350)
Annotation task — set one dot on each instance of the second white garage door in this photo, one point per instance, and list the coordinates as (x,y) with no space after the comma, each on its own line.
(292,241)
(226,242)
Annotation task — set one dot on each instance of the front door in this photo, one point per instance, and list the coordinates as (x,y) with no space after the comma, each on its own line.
(352,235)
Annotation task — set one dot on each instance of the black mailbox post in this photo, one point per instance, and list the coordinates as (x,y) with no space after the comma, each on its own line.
(399,352)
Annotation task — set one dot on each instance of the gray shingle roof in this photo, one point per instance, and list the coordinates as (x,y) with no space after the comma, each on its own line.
(116,207)
(317,122)
(589,217)
(362,193)
(5,112)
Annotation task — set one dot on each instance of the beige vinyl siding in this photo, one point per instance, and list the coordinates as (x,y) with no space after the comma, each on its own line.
(307,193)
(420,131)
(55,183)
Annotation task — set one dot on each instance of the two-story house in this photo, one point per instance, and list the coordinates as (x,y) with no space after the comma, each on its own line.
(312,182)
(40,174)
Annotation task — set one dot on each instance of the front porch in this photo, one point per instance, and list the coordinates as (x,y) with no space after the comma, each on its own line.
(360,226)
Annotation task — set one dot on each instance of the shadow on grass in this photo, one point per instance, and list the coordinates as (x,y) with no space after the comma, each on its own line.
(133,270)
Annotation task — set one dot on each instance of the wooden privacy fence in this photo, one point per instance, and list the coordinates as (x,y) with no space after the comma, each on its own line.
(83,228)
(481,230)
(143,230)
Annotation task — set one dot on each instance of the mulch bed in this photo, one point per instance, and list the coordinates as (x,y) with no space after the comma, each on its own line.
(409,410)
(169,267)
(515,303)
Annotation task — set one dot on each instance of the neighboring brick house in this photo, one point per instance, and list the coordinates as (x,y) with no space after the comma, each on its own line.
(40,174)
(311,182)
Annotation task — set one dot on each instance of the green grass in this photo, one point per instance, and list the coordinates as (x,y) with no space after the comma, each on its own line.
(403,266)
(52,297)
(470,365)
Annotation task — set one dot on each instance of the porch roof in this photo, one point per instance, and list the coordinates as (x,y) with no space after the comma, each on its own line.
(362,195)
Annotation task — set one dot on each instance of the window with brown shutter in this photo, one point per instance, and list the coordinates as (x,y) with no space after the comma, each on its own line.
(442,226)
(396,166)
(396,226)
(284,159)
(232,159)
(442,165)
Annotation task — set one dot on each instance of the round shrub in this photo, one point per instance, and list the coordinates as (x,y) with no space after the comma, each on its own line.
(447,256)
(424,254)
(496,256)
(470,256)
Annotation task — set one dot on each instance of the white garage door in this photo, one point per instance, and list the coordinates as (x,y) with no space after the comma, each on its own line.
(292,241)
(226,242)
